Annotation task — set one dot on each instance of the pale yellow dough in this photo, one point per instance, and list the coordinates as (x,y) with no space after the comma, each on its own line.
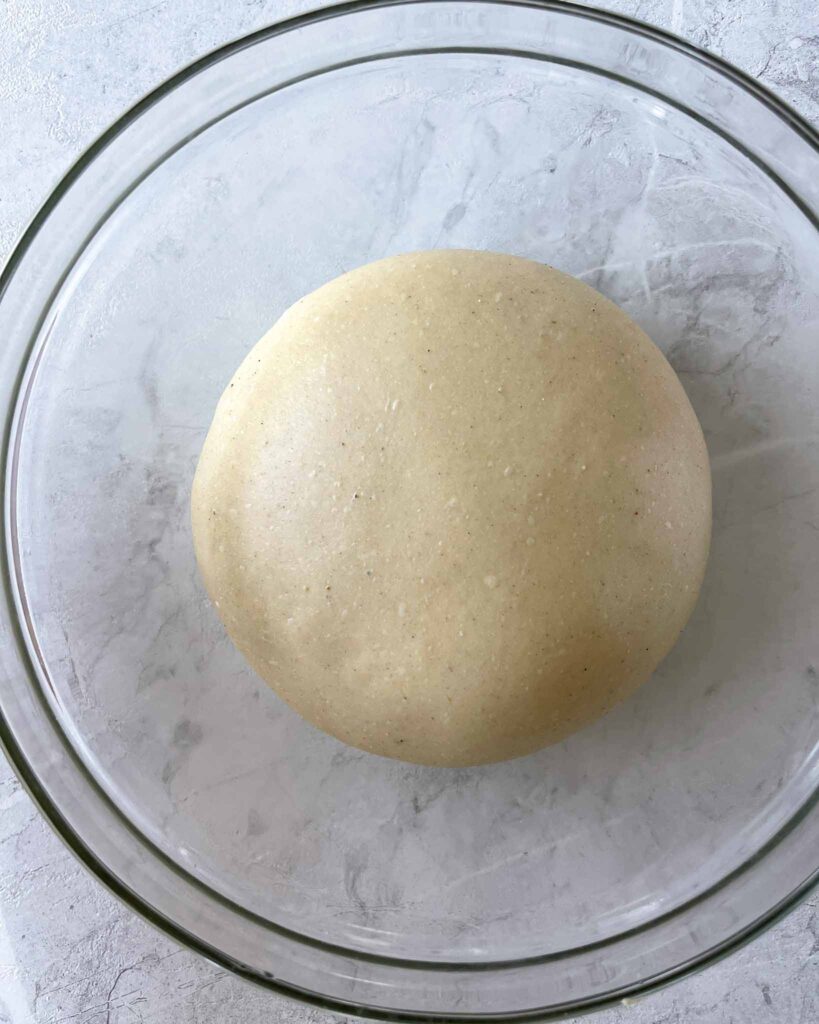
(453,506)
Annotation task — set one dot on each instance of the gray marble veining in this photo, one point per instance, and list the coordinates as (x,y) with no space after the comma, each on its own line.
(82,956)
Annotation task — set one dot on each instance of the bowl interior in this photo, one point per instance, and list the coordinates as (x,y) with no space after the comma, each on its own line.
(610,829)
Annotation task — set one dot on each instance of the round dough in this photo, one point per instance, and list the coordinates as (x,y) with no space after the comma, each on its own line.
(453,506)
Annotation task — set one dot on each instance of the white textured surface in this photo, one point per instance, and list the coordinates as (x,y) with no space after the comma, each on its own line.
(68,69)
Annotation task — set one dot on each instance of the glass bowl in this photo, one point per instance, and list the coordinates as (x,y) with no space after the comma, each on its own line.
(640,849)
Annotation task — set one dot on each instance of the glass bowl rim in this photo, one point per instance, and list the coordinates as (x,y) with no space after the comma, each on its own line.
(10,556)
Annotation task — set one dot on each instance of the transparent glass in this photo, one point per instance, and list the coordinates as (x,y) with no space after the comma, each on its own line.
(641,848)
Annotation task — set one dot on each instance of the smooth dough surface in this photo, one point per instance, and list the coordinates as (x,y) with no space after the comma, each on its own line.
(453,506)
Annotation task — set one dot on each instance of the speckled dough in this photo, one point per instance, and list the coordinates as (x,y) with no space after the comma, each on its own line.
(453,506)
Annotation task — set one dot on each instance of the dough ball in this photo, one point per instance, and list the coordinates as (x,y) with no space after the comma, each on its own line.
(453,506)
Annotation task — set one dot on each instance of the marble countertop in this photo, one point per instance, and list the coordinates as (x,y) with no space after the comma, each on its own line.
(68,950)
